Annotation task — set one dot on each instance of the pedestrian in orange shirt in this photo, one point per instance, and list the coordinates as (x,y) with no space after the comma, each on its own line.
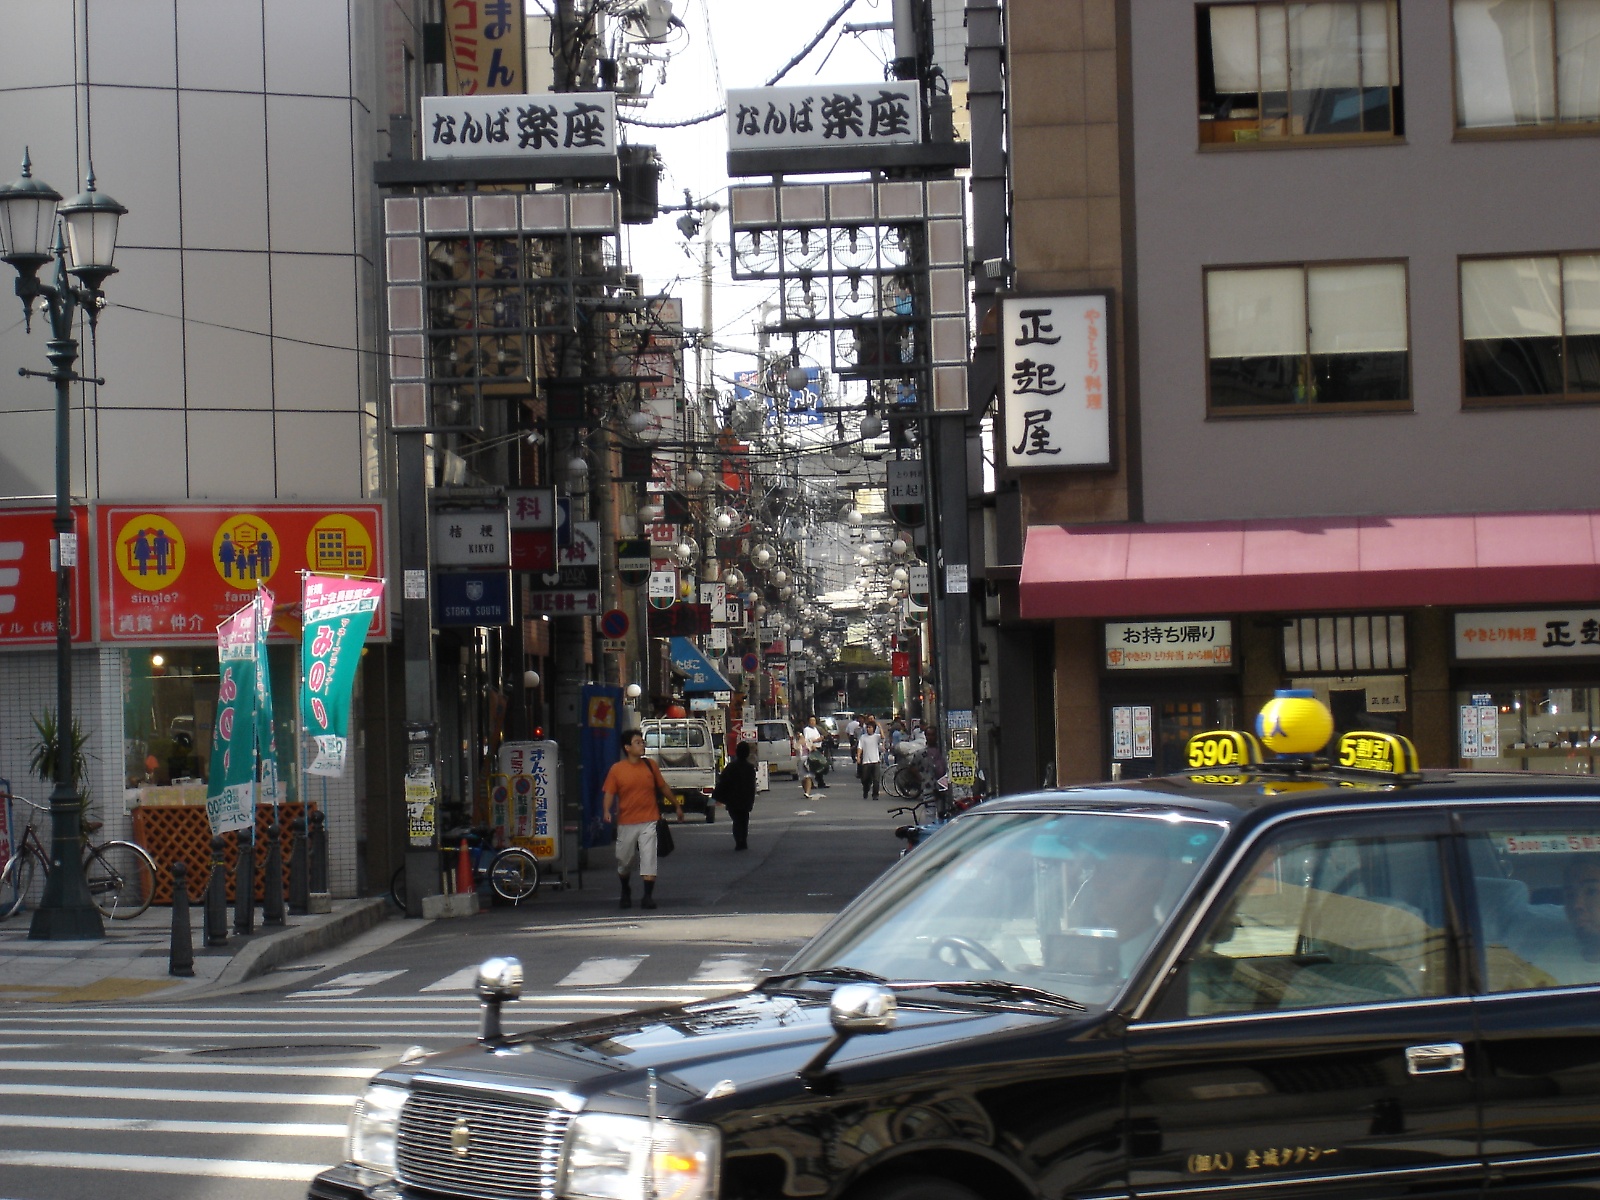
(630,796)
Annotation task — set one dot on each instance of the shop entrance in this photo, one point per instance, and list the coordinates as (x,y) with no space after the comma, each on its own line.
(1149,730)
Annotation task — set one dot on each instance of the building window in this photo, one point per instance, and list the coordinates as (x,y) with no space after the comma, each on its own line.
(1284,72)
(1307,337)
(1530,327)
(1526,64)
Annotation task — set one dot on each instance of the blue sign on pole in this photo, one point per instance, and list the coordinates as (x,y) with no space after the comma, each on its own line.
(472,598)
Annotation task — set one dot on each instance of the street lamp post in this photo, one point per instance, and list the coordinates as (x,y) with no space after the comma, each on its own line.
(81,235)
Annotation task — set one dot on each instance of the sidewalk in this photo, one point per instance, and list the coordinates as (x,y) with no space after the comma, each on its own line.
(131,961)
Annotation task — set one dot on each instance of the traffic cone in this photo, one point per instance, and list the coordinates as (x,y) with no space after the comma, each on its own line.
(464,882)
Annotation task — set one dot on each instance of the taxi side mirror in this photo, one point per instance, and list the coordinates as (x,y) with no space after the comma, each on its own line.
(499,980)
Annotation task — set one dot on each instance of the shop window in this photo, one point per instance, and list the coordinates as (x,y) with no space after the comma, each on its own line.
(1527,64)
(1530,328)
(1344,645)
(1304,338)
(1529,729)
(1299,72)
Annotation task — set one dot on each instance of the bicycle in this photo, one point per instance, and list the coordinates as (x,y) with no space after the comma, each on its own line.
(121,875)
(513,873)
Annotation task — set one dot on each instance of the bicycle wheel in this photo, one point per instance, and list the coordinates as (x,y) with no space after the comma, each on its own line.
(121,878)
(514,875)
(908,784)
(22,882)
(397,887)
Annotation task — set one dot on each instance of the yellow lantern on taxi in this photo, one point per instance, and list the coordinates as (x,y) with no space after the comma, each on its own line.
(1294,721)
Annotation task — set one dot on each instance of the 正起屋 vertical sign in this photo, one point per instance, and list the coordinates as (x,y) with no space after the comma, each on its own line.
(1055,380)
(337,612)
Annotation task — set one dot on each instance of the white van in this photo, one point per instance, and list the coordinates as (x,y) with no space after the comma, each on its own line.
(686,752)
(777,746)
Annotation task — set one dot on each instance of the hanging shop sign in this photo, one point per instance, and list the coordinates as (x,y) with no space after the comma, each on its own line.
(533,821)
(1055,380)
(633,561)
(865,114)
(906,494)
(1168,645)
(679,620)
(485,50)
(336,612)
(171,574)
(476,537)
(467,599)
(28,578)
(230,802)
(1551,634)
(527,126)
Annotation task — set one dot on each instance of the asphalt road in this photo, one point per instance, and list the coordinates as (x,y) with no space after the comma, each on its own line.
(244,1093)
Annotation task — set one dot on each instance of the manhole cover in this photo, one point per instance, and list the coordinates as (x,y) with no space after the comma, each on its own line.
(323,1050)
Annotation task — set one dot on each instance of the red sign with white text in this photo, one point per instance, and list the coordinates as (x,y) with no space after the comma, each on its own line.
(28,582)
(171,573)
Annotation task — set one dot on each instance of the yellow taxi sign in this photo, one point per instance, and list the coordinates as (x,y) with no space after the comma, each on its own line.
(1224,748)
(1386,752)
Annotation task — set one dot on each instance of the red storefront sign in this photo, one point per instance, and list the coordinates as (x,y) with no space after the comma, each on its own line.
(28,584)
(171,573)
(900,664)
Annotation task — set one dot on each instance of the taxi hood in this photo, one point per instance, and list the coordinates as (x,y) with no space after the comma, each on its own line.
(714,1047)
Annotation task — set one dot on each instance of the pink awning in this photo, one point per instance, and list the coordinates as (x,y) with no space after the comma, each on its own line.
(1339,563)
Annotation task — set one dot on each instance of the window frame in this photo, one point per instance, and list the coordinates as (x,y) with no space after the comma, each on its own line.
(1305,410)
(1291,141)
(1555,128)
(1563,398)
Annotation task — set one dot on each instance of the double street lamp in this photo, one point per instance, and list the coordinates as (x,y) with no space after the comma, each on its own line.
(81,235)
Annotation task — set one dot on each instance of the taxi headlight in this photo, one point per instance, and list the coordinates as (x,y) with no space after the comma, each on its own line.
(371,1137)
(610,1158)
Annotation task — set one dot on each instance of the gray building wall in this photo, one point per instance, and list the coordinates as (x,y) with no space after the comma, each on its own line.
(1427,200)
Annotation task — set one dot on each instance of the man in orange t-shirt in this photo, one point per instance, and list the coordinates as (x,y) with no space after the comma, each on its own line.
(629,796)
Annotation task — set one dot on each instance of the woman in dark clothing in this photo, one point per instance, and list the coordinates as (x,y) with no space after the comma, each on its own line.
(736,792)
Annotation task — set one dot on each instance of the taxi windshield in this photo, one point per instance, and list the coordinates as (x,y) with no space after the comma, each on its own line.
(1065,902)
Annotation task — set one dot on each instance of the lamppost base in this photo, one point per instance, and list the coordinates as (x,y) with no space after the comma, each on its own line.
(67,925)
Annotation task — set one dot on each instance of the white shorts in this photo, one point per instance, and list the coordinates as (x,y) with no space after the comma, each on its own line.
(636,841)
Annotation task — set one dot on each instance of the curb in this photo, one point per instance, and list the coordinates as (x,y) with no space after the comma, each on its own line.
(258,958)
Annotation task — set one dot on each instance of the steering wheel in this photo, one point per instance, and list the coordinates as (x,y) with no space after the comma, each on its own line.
(967,947)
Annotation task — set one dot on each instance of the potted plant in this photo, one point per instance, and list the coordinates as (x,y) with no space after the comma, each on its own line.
(45,754)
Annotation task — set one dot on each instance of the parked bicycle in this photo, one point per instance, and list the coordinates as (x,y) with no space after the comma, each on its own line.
(121,875)
(512,873)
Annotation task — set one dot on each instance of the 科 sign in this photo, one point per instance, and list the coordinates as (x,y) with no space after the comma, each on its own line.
(1055,380)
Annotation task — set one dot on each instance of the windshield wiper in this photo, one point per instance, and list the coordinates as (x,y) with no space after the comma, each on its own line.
(847,974)
(1002,989)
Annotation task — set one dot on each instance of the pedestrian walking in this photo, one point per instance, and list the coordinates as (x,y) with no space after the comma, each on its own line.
(869,758)
(736,792)
(631,796)
(852,730)
(810,744)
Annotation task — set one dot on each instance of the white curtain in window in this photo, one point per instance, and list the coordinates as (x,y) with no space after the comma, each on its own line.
(1580,293)
(1357,309)
(1578,59)
(1256,313)
(1234,50)
(1272,37)
(1380,60)
(1324,46)
(1510,298)
(1505,60)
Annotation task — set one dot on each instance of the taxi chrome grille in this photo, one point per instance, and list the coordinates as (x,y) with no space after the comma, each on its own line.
(494,1146)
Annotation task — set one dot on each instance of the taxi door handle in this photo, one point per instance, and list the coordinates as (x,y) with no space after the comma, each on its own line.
(1438,1059)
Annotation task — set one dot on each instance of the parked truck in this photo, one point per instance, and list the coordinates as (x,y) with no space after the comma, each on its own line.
(686,752)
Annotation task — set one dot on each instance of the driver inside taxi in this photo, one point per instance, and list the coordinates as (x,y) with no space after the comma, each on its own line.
(1125,890)
(1575,957)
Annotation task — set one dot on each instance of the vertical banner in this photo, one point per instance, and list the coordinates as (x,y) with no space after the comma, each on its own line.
(230,799)
(266,731)
(533,782)
(337,611)
(485,47)
(604,717)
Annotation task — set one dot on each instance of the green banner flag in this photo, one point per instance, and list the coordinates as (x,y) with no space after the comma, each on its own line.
(337,612)
(230,796)
(266,732)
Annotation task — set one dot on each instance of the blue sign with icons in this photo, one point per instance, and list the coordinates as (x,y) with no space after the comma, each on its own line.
(472,598)
(803,407)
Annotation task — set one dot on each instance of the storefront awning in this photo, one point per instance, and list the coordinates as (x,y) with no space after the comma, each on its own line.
(698,673)
(1340,563)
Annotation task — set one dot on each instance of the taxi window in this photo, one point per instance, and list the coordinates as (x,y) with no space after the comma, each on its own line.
(1316,922)
(1537,898)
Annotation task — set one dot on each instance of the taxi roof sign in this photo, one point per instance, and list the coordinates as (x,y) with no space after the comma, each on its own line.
(1223,748)
(1386,753)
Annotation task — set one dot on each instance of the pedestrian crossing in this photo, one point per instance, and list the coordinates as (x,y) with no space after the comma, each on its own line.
(596,972)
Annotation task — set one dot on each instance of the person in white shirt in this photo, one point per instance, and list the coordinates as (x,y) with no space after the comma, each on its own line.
(869,756)
(810,743)
(852,730)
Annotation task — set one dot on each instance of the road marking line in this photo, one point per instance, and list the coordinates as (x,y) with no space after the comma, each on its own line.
(168,1094)
(592,972)
(362,978)
(146,1125)
(153,1164)
(457,981)
(184,1068)
(726,968)
(323,991)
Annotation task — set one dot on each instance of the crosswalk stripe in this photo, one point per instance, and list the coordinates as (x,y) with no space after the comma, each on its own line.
(725,968)
(303,1129)
(196,1097)
(456,981)
(183,1068)
(160,1165)
(360,979)
(592,972)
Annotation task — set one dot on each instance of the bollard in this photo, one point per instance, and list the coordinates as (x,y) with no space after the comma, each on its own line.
(464,881)
(217,896)
(272,888)
(244,883)
(180,959)
(299,872)
(317,852)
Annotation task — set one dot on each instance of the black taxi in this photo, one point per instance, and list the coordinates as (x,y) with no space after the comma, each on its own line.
(1318,975)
